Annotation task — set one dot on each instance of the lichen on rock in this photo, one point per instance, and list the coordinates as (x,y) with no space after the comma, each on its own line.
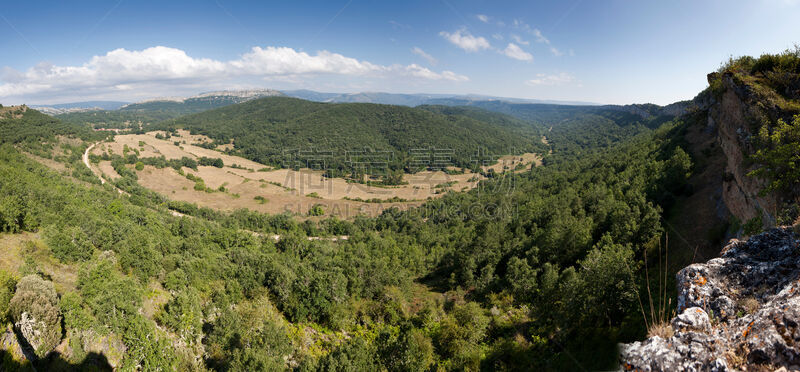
(735,312)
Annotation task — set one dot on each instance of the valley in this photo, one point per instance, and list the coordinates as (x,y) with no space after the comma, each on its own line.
(319,190)
(248,184)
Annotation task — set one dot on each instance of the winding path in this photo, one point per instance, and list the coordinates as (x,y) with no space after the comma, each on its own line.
(88,165)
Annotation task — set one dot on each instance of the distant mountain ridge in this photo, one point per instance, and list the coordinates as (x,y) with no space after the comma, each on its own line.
(415,99)
(233,95)
(63,108)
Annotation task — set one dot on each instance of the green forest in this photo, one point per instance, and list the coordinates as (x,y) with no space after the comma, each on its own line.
(538,270)
(289,132)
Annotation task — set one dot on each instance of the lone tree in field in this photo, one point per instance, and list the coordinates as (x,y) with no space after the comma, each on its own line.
(34,309)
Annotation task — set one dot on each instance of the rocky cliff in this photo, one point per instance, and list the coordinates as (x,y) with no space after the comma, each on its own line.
(738,311)
(734,111)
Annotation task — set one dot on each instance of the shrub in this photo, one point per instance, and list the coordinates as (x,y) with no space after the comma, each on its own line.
(7,284)
(35,310)
(15,216)
(68,244)
(779,154)
(316,210)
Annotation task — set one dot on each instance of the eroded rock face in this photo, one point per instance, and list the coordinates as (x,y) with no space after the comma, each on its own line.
(738,311)
(733,114)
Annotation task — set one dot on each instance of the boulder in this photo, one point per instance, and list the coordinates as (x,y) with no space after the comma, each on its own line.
(740,311)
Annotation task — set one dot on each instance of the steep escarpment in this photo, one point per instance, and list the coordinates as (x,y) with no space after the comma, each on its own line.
(735,113)
(738,310)
(752,104)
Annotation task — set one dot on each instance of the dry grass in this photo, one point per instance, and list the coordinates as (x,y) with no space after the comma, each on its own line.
(155,297)
(658,321)
(107,170)
(660,329)
(286,190)
(510,162)
(14,248)
(50,163)
(749,304)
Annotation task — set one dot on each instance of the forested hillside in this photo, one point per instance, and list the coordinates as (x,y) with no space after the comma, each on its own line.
(508,285)
(271,131)
(135,115)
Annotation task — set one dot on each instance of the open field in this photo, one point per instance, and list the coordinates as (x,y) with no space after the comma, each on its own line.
(14,248)
(242,183)
(511,162)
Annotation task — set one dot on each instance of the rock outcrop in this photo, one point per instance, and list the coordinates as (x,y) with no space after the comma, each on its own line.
(739,311)
(733,113)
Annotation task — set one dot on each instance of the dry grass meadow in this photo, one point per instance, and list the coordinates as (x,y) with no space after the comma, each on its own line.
(258,187)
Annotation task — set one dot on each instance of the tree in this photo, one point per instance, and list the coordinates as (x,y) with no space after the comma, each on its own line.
(35,310)
(607,280)
(354,355)
(779,155)
(69,243)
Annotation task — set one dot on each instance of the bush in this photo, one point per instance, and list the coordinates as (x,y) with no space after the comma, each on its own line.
(316,210)
(68,244)
(354,355)
(35,310)
(183,315)
(7,284)
(15,216)
(778,155)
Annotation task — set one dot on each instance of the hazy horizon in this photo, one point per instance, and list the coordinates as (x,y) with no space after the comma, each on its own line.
(608,53)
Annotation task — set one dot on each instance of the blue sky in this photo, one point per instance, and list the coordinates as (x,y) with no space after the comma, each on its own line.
(595,51)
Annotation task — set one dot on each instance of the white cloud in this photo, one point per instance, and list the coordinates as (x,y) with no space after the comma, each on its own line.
(550,80)
(539,37)
(497,36)
(519,40)
(167,68)
(422,72)
(418,51)
(482,17)
(464,40)
(515,52)
(537,34)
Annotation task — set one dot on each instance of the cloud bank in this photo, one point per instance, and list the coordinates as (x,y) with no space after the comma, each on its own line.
(551,80)
(122,69)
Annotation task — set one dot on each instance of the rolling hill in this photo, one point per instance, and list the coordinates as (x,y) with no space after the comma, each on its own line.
(265,130)
(155,110)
